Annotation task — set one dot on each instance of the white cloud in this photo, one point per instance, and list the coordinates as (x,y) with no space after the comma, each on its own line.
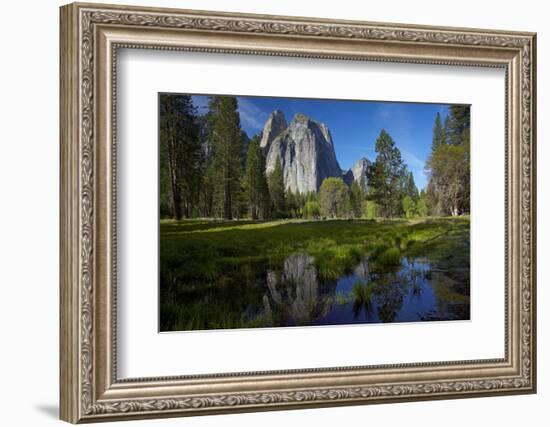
(412,160)
(251,115)
(416,166)
(359,148)
(385,111)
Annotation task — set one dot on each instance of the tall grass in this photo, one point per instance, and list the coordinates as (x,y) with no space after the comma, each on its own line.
(390,256)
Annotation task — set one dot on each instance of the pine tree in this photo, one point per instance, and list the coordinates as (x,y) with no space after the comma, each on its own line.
(409,207)
(356,197)
(448,190)
(410,187)
(276,185)
(207,192)
(438,137)
(226,140)
(255,182)
(180,154)
(447,128)
(292,203)
(385,176)
(458,131)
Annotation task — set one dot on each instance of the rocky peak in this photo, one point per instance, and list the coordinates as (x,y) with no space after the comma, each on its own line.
(275,124)
(358,173)
(299,117)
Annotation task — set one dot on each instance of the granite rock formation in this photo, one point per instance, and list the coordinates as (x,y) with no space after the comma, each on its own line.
(358,173)
(275,124)
(305,150)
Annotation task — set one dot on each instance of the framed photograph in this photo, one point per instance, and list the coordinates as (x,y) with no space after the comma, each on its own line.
(266,212)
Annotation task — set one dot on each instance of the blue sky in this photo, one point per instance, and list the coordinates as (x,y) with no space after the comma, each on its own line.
(354,125)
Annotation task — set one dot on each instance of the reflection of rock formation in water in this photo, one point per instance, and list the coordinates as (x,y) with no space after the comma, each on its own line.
(296,295)
(362,270)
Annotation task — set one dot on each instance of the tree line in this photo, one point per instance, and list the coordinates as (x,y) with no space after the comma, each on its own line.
(209,168)
(392,188)
(448,166)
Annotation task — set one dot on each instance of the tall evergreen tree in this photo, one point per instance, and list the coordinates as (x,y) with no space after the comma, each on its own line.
(207,193)
(448,190)
(255,182)
(438,137)
(277,190)
(409,207)
(292,203)
(356,197)
(458,131)
(386,176)
(226,140)
(410,187)
(447,128)
(180,154)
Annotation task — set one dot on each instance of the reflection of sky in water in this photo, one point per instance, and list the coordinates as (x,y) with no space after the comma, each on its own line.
(403,293)
(418,297)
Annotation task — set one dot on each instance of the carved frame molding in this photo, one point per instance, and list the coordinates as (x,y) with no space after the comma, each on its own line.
(90,36)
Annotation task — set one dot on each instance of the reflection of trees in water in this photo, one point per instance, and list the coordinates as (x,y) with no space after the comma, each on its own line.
(358,308)
(389,294)
(295,295)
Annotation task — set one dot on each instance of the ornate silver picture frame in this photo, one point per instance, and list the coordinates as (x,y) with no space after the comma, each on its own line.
(91,34)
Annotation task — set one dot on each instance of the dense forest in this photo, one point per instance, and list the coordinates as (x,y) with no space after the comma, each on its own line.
(209,168)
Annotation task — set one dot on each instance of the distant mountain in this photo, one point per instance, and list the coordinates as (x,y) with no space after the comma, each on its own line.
(358,173)
(306,152)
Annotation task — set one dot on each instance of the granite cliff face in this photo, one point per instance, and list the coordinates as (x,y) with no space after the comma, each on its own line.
(275,124)
(305,150)
(358,173)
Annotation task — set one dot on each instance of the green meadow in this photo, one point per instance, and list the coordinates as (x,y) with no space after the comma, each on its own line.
(213,272)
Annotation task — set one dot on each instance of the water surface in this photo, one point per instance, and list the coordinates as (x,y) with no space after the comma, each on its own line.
(411,291)
(294,295)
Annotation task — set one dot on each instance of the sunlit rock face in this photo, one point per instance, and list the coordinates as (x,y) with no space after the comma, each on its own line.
(358,173)
(306,152)
(275,124)
(294,294)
